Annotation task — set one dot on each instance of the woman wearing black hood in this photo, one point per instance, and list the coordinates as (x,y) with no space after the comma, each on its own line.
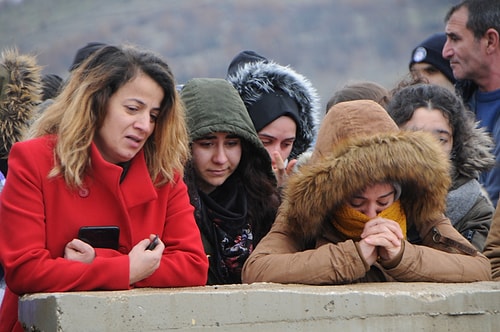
(283,106)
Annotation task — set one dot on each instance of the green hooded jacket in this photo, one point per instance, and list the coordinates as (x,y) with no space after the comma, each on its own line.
(213,105)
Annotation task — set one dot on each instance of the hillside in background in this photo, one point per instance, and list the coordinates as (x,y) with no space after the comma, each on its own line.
(332,42)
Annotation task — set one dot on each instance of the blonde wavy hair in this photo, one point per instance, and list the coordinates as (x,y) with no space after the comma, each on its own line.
(79,111)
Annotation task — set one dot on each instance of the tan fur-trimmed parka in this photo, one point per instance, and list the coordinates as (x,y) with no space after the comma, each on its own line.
(358,144)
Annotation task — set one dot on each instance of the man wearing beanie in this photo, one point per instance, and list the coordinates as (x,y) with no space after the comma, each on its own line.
(282,104)
(428,64)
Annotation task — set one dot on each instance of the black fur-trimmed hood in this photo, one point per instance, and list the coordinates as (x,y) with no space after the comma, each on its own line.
(20,94)
(253,79)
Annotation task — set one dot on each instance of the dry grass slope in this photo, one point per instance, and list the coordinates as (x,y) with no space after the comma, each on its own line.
(331,42)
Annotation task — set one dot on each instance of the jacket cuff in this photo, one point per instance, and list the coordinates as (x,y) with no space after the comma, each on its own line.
(392,263)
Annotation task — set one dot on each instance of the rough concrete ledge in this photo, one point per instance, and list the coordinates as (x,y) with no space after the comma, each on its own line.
(271,307)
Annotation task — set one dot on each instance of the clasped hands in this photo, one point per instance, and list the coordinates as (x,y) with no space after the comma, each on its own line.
(381,238)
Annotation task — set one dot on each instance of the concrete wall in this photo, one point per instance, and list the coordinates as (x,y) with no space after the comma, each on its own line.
(271,307)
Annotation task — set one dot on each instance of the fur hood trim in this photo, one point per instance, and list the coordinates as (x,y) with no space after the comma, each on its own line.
(20,95)
(413,159)
(254,79)
(475,153)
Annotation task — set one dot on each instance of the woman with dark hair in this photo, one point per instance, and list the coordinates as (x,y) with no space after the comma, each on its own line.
(283,106)
(109,151)
(230,179)
(439,111)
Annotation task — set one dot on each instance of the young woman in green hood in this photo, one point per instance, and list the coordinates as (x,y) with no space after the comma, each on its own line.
(230,179)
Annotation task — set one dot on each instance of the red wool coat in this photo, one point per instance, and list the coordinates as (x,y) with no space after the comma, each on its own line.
(39,216)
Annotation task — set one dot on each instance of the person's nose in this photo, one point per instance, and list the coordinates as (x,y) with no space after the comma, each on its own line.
(447,52)
(143,122)
(371,211)
(282,151)
(273,148)
(419,75)
(220,156)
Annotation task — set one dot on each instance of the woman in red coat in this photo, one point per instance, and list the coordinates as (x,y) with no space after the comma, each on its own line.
(108,152)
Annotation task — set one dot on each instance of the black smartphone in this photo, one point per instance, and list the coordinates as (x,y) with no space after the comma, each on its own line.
(153,243)
(100,236)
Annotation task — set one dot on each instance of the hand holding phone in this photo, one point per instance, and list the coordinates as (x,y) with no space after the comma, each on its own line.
(153,243)
(77,250)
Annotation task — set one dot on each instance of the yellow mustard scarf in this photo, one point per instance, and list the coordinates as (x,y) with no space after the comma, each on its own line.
(351,222)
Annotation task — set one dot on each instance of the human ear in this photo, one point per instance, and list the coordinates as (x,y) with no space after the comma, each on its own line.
(492,38)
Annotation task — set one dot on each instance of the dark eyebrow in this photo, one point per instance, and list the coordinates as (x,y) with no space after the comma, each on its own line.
(442,131)
(272,137)
(143,104)
(383,196)
(437,131)
(136,100)
(212,136)
(429,66)
(209,136)
(388,194)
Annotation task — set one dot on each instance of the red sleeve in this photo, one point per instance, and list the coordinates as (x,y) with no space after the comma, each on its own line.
(184,262)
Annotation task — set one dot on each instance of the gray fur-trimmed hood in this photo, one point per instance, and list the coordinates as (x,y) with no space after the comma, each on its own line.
(253,79)
(475,153)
